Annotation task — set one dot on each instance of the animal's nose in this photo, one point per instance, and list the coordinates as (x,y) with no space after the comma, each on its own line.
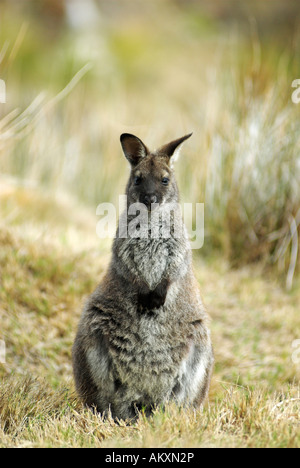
(148,199)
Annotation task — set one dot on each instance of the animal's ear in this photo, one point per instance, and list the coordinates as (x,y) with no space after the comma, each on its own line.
(172,149)
(133,148)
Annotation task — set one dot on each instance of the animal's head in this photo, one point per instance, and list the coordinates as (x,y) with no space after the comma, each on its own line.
(152,180)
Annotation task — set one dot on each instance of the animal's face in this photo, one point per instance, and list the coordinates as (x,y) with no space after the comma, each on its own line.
(152,181)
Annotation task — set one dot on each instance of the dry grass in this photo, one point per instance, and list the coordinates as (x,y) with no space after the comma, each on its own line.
(34,415)
(255,396)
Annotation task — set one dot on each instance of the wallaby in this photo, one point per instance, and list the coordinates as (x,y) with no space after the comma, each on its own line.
(143,338)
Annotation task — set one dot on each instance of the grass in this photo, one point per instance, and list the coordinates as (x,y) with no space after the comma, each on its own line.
(255,396)
(240,418)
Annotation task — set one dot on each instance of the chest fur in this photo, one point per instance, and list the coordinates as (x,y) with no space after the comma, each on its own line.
(161,249)
(146,258)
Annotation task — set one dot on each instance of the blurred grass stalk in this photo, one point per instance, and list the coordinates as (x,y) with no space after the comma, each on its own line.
(246,167)
(252,183)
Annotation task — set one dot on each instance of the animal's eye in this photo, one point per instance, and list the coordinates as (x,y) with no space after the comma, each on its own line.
(165,181)
(137,180)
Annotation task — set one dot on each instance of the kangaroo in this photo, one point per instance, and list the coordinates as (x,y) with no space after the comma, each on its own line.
(143,338)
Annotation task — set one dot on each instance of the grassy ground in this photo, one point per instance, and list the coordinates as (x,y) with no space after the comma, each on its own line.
(50,260)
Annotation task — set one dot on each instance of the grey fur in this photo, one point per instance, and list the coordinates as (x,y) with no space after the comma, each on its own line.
(143,339)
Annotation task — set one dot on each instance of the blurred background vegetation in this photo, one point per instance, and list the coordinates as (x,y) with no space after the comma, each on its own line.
(78,73)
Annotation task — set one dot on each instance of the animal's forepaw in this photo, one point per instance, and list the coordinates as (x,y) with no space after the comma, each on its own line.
(154,299)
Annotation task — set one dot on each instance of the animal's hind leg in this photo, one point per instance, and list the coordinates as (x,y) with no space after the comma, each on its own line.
(93,372)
